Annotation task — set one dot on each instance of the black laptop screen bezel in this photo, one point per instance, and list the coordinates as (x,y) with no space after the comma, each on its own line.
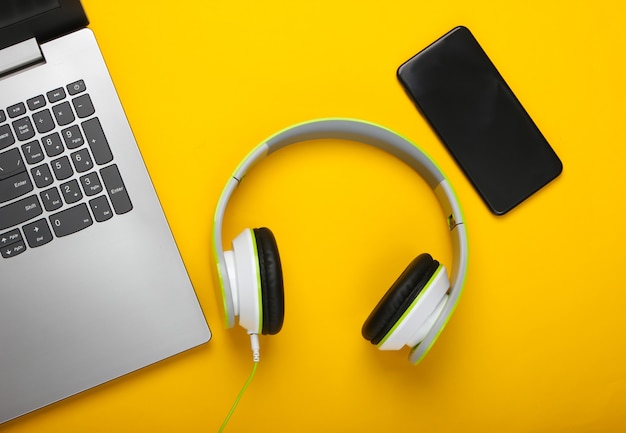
(66,18)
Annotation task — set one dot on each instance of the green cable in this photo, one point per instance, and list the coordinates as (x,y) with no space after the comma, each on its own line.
(232,409)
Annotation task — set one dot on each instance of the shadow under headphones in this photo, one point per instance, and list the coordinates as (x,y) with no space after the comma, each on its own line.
(414,310)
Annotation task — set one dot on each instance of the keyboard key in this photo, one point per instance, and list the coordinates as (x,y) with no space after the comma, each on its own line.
(10,163)
(19,212)
(71,191)
(32,152)
(71,220)
(97,141)
(76,87)
(37,233)
(43,121)
(63,114)
(36,103)
(51,199)
(83,106)
(10,237)
(73,137)
(101,209)
(62,168)
(15,186)
(52,144)
(23,129)
(91,184)
(14,180)
(42,175)
(56,95)
(16,110)
(116,189)
(13,249)
(3,116)
(6,136)
(82,161)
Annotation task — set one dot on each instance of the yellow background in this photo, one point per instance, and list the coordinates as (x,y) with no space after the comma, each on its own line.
(537,342)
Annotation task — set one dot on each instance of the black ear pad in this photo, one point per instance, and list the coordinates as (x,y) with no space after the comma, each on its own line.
(272,291)
(399,297)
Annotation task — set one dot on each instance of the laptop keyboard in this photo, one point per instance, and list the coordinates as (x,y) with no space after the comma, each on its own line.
(57,173)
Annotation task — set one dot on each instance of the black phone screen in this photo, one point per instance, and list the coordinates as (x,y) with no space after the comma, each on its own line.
(470,107)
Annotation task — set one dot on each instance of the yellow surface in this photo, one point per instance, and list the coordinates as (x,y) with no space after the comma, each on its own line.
(537,342)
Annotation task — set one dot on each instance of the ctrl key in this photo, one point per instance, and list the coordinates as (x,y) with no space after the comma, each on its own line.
(11,244)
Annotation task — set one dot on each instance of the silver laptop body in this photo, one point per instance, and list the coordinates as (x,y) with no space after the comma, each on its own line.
(92,285)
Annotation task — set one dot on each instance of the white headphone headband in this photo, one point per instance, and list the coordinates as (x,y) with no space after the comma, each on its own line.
(382,138)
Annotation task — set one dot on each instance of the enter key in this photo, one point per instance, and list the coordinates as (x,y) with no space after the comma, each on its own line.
(116,189)
(14,180)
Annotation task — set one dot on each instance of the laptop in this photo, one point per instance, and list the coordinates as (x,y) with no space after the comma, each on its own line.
(92,285)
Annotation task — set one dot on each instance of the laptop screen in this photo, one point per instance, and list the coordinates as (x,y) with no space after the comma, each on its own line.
(14,11)
(42,19)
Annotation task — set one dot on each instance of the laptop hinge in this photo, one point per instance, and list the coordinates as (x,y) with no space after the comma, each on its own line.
(19,56)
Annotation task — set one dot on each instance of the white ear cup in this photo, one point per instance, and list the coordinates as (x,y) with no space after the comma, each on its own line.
(245,283)
(231,290)
(419,318)
(420,332)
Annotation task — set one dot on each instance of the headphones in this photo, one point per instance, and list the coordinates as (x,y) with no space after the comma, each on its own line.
(414,310)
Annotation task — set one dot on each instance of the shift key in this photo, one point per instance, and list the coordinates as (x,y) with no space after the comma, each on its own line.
(116,189)
(20,211)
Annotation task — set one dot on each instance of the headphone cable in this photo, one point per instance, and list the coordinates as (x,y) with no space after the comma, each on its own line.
(254,341)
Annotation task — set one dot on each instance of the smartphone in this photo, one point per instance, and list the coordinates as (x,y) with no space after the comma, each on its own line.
(481,122)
